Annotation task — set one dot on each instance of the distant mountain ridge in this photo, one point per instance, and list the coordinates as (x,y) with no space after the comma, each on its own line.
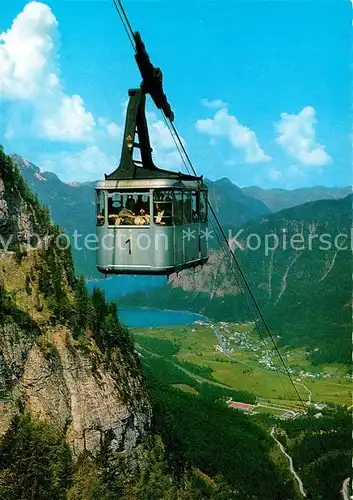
(232,205)
(278,199)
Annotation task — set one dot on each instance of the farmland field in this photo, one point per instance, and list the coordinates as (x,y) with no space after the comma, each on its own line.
(193,355)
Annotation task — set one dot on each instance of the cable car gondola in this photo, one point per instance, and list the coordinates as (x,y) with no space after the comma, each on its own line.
(149,220)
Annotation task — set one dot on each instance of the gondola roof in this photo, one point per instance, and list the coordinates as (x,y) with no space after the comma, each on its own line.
(138,172)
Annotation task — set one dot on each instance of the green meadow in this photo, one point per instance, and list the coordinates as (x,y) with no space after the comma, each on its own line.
(190,353)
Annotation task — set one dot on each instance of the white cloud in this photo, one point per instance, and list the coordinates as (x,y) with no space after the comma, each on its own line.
(30,72)
(69,121)
(161,138)
(111,128)
(229,163)
(26,50)
(114,130)
(169,160)
(294,172)
(213,103)
(89,164)
(223,125)
(41,106)
(297,136)
(9,132)
(165,153)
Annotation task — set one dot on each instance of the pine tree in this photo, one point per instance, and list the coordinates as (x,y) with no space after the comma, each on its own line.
(35,461)
(99,311)
(83,313)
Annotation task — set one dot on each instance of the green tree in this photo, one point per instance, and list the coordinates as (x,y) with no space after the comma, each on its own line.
(82,307)
(35,461)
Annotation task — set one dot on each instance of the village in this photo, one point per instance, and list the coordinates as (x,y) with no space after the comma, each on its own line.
(231,340)
(235,337)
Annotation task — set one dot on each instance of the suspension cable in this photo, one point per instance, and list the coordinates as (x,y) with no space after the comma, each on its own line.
(224,247)
(186,160)
(125,21)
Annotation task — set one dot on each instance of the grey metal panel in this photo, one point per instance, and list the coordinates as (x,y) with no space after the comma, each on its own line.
(150,249)
(136,246)
(191,241)
(163,246)
(147,249)
(178,245)
(204,239)
(146,184)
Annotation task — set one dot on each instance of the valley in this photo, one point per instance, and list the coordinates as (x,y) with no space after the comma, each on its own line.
(239,360)
(228,391)
(176,251)
(216,388)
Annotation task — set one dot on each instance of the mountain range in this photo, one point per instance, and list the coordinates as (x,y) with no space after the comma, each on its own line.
(278,199)
(94,419)
(72,206)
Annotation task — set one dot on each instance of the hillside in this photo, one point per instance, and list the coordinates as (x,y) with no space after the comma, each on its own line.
(73,399)
(57,361)
(304,291)
(185,368)
(72,207)
(279,199)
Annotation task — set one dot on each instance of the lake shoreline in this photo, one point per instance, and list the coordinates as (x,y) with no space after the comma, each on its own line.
(141,315)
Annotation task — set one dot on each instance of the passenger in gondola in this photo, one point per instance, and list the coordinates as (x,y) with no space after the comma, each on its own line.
(127,217)
(143,218)
(159,215)
(100,218)
(130,204)
(113,212)
(139,204)
(163,216)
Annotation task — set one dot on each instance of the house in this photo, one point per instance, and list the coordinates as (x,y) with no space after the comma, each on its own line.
(288,415)
(245,407)
(320,406)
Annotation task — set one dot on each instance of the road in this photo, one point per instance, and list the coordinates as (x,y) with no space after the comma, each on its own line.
(345,489)
(297,478)
(198,378)
(308,390)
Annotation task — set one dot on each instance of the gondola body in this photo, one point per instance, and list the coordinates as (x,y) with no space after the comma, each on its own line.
(177,242)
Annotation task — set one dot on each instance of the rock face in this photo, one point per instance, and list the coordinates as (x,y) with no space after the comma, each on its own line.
(18,223)
(72,389)
(97,399)
(213,279)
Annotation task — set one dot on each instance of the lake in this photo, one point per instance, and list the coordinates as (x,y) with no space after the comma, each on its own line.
(145,318)
(118,286)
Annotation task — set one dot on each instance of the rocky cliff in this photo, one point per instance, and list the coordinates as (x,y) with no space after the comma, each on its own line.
(55,358)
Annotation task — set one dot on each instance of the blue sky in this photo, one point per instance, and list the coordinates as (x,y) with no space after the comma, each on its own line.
(260,89)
